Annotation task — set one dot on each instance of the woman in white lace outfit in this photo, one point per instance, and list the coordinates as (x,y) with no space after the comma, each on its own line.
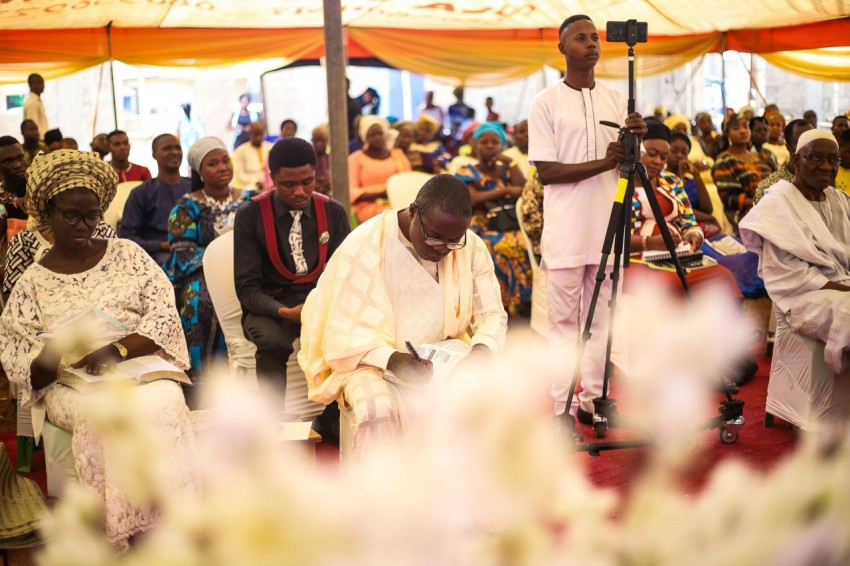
(28,246)
(68,191)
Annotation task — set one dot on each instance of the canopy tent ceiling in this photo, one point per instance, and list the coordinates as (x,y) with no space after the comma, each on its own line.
(475,41)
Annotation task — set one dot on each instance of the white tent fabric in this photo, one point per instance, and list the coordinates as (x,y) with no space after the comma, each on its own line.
(666,17)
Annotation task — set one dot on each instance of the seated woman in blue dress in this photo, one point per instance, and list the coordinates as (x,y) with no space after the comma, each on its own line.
(495,183)
(678,213)
(197,219)
(744,264)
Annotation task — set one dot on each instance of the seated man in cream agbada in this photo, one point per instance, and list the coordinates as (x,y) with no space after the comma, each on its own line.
(801,230)
(415,275)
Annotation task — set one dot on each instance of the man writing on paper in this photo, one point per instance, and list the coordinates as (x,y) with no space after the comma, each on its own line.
(801,231)
(416,275)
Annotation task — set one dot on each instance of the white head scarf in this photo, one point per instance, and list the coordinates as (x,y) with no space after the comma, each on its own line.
(366,123)
(200,149)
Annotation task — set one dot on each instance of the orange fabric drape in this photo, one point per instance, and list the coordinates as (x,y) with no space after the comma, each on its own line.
(169,47)
(831,33)
(61,52)
(53,53)
(476,57)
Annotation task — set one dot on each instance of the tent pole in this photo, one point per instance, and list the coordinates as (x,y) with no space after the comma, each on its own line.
(112,74)
(97,102)
(337,101)
(687,82)
(265,114)
(723,74)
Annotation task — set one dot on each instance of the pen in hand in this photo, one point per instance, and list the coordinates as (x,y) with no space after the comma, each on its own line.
(412,351)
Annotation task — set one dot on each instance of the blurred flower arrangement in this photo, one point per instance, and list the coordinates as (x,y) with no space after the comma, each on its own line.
(483,479)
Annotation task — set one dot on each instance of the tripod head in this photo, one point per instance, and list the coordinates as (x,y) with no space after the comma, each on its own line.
(631,145)
(630,32)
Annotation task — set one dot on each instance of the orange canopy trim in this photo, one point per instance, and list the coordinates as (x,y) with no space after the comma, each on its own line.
(474,56)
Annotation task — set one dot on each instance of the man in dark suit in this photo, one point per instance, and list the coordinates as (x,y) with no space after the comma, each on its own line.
(283,240)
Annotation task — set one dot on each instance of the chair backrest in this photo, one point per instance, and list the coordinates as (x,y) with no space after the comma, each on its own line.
(218,273)
(539,302)
(402,188)
(528,247)
(115,212)
(13,226)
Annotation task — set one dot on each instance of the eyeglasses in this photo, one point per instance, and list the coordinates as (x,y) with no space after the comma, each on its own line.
(73,218)
(817,159)
(435,243)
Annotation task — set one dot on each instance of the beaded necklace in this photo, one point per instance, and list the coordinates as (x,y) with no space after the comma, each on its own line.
(218,204)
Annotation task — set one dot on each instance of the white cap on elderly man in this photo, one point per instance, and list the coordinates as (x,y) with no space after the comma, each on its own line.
(809,136)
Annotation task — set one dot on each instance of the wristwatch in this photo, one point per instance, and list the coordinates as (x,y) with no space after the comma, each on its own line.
(122,350)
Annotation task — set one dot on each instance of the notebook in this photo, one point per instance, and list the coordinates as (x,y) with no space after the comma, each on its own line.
(683,251)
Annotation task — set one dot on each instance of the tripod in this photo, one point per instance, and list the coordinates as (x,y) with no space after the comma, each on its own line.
(618,239)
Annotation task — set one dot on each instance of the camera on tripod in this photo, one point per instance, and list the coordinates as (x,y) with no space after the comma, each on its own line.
(631,32)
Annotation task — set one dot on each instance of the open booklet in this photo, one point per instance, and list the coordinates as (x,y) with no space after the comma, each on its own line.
(727,245)
(84,324)
(445,355)
(144,369)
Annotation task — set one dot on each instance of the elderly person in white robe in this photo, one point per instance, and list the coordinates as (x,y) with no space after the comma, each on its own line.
(415,275)
(127,304)
(801,230)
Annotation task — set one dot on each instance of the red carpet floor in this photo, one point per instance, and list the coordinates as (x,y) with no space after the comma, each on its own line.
(758,446)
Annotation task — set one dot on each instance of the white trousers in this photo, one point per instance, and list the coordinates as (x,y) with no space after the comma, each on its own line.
(569,292)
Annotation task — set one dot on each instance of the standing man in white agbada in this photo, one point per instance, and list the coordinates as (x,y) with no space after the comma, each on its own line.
(577,160)
(33,106)
(249,159)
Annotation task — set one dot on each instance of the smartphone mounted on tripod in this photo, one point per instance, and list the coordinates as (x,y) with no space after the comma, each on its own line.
(631,32)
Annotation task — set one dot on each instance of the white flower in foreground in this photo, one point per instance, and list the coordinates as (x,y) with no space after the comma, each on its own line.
(482,478)
(676,352)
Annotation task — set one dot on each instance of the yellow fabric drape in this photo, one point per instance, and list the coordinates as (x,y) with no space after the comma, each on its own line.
(832,64)
(496,57)
(657,56)
(471,58)
(17,73)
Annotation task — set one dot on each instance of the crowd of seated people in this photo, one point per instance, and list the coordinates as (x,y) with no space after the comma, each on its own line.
(495,183)
(289,234)
(370,167)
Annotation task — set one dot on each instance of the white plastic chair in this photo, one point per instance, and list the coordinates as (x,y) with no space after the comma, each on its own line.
(538,283)
(115,212)
(218,271)
(402,188)
(802,389)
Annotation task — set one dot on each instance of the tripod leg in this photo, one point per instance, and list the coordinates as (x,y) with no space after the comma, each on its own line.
(662,226)
(621,247)
(614,230)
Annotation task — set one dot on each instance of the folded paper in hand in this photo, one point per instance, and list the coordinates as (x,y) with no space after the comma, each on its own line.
(144,369)
(444,356)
